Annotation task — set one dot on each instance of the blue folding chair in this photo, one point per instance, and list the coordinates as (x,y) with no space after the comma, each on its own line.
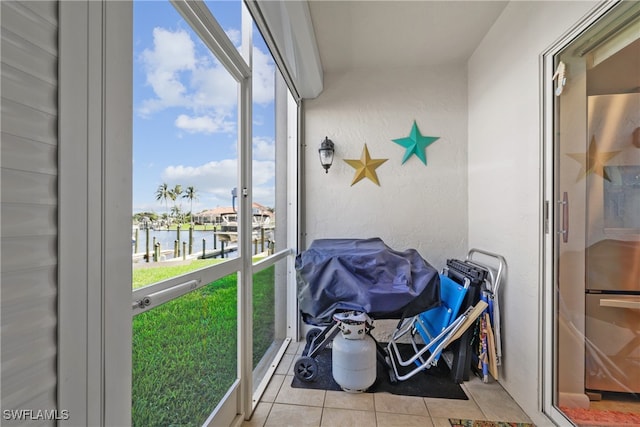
(436,327)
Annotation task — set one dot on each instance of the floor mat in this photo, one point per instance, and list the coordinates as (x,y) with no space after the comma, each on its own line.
(592,417)
(481,423)
(434,382)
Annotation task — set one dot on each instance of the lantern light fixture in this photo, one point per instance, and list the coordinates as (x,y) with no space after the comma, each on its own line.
(326,151)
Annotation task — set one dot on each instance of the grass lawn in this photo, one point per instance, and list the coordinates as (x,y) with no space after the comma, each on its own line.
(148,275)
(185,351)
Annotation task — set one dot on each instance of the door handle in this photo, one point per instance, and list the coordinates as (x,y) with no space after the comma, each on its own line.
(565,217)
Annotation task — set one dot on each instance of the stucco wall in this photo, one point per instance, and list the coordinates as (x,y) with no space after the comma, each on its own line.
(504,172)
(415,206)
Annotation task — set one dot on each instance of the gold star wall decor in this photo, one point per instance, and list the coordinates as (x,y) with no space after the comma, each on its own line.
(365,166)
(593,161)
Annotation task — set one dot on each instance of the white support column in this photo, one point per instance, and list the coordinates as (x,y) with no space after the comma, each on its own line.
(74,392)
(294,210)
(245,215)
(95,133)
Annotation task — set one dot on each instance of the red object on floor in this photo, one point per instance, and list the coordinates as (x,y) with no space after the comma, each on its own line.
(591,417)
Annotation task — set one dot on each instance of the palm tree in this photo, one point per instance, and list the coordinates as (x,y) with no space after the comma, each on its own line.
(164,194)
(192,195)
(175,194)
(177,213)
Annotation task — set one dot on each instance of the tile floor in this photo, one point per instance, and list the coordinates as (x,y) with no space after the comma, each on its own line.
(281,405)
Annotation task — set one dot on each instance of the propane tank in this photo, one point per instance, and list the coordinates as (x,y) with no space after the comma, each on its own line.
(354,353)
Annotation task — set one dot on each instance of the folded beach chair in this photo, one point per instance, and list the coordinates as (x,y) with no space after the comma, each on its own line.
(436,328)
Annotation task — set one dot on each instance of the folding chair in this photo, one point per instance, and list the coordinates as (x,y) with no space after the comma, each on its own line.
(437,328)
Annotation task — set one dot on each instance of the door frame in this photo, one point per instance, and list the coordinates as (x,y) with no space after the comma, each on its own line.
(549,214)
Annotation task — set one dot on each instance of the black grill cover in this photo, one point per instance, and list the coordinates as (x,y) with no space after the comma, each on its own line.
(364,275)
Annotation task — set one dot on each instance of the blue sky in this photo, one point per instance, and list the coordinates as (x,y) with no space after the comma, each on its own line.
(185,110)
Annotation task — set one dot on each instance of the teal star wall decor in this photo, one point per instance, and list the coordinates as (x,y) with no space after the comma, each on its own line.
(416,144)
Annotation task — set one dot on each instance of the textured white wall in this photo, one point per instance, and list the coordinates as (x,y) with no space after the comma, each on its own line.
(415,206)
(504,172)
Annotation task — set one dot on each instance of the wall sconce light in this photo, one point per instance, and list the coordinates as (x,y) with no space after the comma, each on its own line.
(326,154)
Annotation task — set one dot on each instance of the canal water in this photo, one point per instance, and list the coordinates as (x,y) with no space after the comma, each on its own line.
(166,238)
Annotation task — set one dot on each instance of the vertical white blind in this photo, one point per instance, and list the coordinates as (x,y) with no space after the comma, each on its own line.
(29,206)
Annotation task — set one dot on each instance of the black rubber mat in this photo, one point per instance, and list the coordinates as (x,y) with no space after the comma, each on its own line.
(434,382)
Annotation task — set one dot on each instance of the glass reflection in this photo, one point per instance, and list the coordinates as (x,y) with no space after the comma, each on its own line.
(597,372)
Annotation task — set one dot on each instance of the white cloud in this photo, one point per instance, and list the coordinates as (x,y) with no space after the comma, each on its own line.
(263,171)
(216,88)
(234,35)
(172,54)
(264,148)
(184,75)
(263,77)
(209,175)
(204,124)
(214,180)
(173,51)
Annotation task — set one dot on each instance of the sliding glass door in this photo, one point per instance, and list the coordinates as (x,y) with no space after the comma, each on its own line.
(596,197)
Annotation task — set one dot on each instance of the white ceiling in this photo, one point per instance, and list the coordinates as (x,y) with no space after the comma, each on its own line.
(355,34)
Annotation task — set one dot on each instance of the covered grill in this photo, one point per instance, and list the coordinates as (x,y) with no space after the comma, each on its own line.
(363,275)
